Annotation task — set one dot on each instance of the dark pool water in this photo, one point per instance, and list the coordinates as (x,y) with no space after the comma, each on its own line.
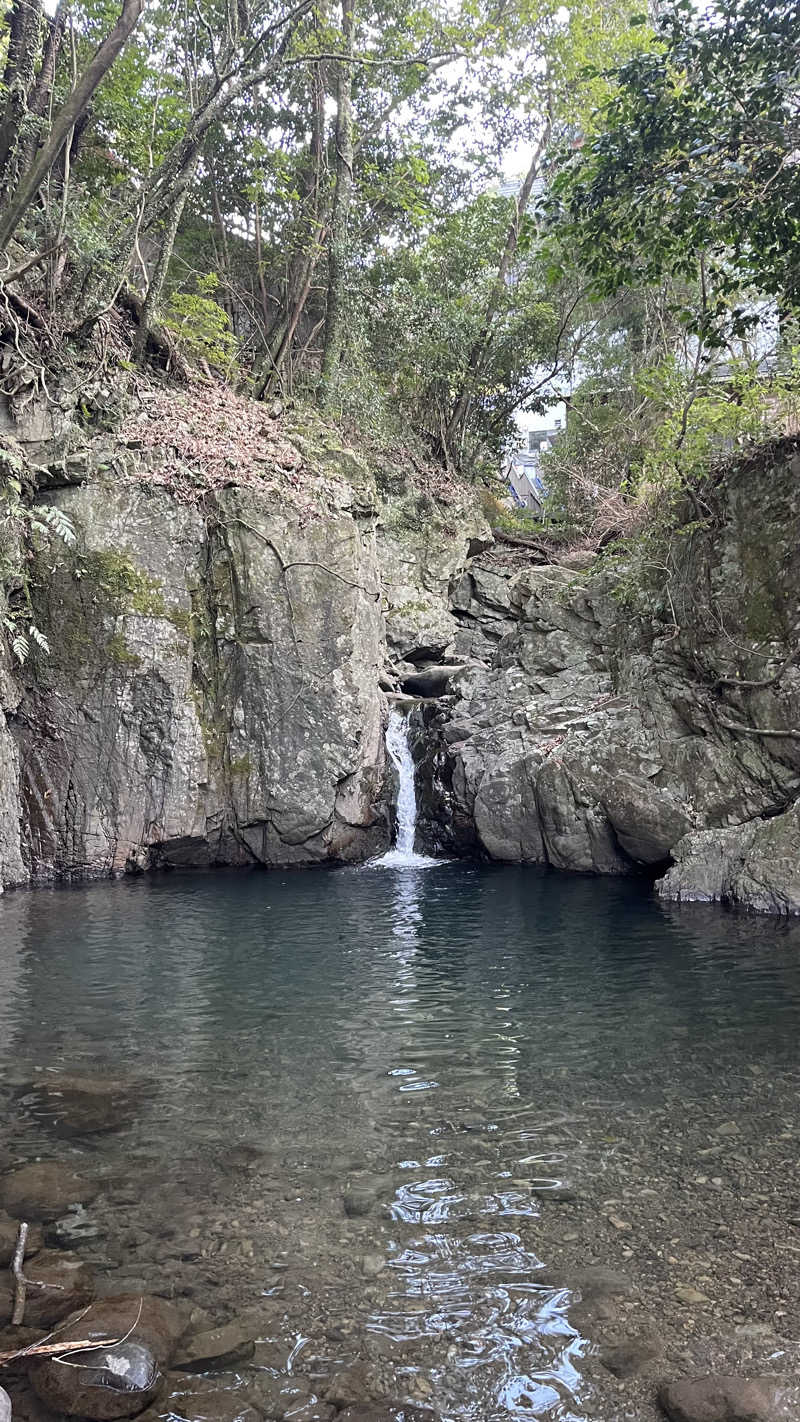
(461,1047)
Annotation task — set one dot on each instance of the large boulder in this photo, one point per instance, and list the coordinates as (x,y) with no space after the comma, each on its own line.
(625,718)
(727,1399)
(101,1383)
(44,1190)
(259,621)
(755,864)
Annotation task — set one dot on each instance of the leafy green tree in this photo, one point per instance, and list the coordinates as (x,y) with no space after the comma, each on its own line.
(693,169)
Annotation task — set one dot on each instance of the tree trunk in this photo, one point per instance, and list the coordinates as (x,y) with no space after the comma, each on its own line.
(43,88)
(338,249)
(155,286)
(273,366)
(23,51)
(172,176)
(66,119)
(304,263)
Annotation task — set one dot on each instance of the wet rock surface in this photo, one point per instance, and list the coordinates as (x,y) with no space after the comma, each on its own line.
(601,728)
(101,1383)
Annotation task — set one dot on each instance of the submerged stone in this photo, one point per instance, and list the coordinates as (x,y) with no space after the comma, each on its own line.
(101,1383)
(57,1284)
(201,1400)
(727,1399)
(81,1105)
(385,1412)
(44,1190)
(215,1348)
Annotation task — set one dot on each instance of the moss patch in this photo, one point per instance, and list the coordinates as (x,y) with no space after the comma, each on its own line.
(125,587)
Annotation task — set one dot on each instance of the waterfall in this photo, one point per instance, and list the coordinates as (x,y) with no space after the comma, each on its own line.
(399,752)
(403,762)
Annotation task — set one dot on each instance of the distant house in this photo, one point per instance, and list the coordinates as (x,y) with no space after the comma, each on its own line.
(522,469)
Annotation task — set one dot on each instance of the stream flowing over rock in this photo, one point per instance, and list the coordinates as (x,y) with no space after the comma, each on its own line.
(216,691)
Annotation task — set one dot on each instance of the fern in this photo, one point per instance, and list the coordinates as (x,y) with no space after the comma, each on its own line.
(40,639)
(48,518)
(22,525)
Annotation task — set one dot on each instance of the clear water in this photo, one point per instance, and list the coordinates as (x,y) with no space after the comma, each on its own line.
(458,1044)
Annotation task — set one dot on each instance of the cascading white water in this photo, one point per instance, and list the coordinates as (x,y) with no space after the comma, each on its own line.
(399,752)
(403,762)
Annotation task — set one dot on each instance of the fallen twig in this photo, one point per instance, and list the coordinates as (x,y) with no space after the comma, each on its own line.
(54,1350)
(20,1283)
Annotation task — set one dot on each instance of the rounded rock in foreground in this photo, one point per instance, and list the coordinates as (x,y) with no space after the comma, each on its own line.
(145,1319)
(102,1384)
(727,1399)
(44,1190)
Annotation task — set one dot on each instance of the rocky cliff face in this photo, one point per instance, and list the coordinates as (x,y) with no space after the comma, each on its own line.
(212,691)
(644,717)
(221,650)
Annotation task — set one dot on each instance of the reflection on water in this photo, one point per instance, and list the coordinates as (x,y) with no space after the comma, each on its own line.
(456,1043)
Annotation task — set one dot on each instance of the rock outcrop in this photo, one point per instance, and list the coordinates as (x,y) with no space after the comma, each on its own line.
(221,650)
(636,717)
(212,692)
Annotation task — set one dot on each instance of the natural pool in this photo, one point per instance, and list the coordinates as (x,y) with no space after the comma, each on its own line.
(393,1116)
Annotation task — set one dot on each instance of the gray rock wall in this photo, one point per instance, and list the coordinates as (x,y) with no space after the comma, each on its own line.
(212,690)
(213,693)
(622,720)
